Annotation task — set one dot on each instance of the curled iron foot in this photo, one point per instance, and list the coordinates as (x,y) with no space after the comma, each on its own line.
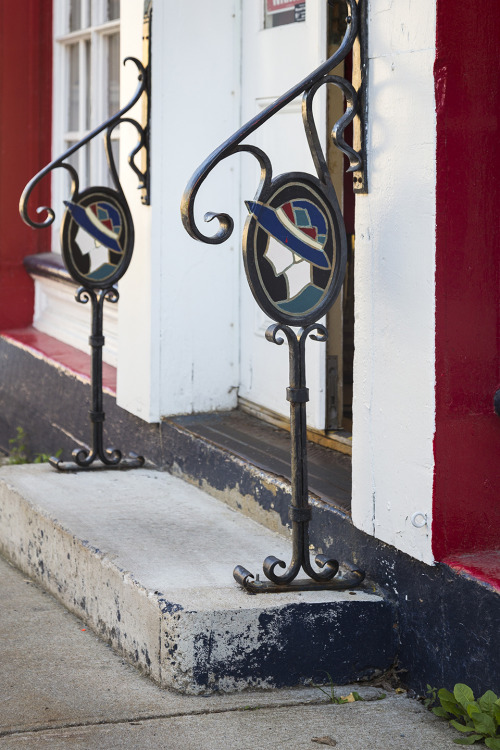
(132,462)
(254,585)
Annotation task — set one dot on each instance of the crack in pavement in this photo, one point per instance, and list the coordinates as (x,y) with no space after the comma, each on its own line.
(153,717)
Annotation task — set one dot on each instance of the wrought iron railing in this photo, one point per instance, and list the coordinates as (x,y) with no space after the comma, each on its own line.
(97,241)
(296,213)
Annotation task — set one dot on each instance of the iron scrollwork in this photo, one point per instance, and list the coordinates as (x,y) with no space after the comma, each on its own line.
(97,241)
(295,253)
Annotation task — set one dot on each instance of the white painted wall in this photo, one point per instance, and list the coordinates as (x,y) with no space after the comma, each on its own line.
(179,300)
(394,408)
(140,290)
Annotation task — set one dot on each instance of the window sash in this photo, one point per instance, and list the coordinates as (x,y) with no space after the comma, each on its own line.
(83,58)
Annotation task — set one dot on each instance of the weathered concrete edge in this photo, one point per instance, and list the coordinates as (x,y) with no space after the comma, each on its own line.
(287,646)
(84,579)
(188,650)
(436,645)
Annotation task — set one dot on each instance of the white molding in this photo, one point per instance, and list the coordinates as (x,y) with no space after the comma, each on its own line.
(55,302)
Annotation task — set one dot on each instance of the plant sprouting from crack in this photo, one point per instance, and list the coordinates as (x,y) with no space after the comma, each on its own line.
(329,691)
(478,720)
(18,453)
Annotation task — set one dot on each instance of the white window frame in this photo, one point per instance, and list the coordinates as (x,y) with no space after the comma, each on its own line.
(56,313)
(92,155)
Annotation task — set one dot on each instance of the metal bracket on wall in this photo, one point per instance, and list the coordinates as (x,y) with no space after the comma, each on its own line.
(97,241)
(360,82)
(294,226)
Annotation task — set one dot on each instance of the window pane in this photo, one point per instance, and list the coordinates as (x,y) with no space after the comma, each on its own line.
(87,86)
(115,148)
(73,160)
(75,15)
(85,177)
(113,9)
(74,88)
(113,73)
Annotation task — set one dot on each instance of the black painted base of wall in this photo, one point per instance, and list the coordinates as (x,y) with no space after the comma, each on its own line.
(52,406)
(448,623)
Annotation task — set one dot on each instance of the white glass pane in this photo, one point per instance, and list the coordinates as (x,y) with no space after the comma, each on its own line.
(74,88)
(73,160)
(75,15)
(113,73)
(115,148)
(87,86)
(86,176)
(113,9)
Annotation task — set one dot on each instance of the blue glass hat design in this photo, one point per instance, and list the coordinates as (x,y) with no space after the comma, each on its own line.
(101,220)
(299,225)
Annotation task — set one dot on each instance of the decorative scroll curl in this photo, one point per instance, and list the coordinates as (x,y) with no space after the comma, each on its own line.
(308,86)
(61,161)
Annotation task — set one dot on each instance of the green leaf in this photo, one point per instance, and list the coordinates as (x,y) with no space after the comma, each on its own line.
(468,740)
(438,711)
(473,708)
(487,702)
(453,708)
(484,723)
(463,694)
(460,727)
(445,695)
(493,743)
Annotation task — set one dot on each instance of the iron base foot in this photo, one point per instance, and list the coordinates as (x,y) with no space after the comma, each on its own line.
(132,462)
(254,585)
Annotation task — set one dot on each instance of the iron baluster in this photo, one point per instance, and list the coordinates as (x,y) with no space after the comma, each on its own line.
(83,457)
(294,225)
(299,510)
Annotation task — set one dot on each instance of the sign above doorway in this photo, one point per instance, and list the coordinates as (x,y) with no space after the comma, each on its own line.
(282,12)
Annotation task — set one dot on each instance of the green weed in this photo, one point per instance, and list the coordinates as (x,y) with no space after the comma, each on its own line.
(478,720)
(329,691)
(18,453)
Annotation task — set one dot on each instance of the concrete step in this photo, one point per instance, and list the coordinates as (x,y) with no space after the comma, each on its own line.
(146,560)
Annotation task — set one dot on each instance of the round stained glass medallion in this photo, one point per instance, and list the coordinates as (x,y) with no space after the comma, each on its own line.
(97,237)
(291,248)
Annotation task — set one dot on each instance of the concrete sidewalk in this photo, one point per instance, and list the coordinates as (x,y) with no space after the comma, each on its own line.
(61,687)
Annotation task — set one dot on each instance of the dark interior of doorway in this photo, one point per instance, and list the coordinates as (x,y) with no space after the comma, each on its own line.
(340,323)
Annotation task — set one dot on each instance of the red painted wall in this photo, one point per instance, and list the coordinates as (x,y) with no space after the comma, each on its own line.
(25,144)
(466,515)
